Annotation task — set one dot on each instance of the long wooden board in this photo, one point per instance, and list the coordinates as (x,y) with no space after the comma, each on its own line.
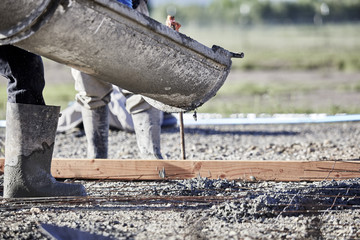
(184,169)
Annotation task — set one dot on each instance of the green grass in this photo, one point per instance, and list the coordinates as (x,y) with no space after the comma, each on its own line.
(300,47)
(270,105)
(54,94)
(327,48)
(3,96)
(59,94)
(318,93)
(249,88)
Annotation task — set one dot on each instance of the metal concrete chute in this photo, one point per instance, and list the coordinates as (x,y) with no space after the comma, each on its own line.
(117,44)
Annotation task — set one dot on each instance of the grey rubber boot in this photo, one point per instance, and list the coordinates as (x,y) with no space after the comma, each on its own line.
(96,126)
(147,125)
(30,137)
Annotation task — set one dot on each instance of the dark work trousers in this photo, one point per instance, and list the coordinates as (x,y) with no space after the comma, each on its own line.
(25,74)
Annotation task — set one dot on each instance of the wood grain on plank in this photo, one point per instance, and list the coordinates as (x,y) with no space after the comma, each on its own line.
(120,169)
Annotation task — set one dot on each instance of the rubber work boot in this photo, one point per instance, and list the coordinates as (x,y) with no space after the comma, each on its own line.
(30,137)
(147,125)
(96,126)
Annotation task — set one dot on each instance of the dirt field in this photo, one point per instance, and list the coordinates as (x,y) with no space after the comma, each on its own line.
(287,92)
(203,208)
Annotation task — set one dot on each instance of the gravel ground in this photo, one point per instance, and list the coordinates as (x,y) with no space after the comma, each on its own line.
(202,208)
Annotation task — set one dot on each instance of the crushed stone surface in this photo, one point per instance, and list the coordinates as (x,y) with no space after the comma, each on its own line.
(202,208)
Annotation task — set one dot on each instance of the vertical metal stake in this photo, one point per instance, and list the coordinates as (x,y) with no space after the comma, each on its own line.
(182,136)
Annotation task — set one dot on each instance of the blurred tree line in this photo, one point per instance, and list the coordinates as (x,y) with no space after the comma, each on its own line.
(251,12)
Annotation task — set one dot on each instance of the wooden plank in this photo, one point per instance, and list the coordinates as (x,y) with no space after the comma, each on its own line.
(2,161)
(184,169)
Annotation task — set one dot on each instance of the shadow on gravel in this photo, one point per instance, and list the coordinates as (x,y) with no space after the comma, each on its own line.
(208,131)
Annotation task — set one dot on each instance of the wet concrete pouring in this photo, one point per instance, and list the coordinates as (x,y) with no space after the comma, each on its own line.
(202,208)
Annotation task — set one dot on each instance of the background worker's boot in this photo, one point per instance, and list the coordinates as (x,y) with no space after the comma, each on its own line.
(147,125)
(96,126)
(30,137)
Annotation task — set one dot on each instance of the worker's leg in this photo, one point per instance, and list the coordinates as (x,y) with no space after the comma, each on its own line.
(30,130)
(146,119)
(30,137)
(147,124)
(119,117)
(94,96)
(25,74)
